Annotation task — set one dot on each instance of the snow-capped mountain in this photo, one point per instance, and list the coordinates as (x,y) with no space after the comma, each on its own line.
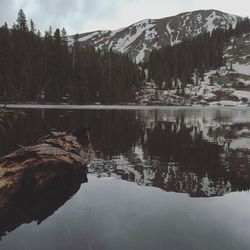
(140,38)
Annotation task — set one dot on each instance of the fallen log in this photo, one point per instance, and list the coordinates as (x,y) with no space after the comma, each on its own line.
(31,170)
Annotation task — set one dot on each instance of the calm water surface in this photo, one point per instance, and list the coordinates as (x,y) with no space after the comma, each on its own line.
(159,179)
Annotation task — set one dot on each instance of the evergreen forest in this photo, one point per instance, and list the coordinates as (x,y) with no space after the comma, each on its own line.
(52,69)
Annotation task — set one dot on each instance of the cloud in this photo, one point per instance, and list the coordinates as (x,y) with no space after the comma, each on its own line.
(6,12)
(239,7)
(71,14)
(131,11)
(87,15)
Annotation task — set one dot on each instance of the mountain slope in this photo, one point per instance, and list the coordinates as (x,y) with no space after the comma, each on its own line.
(228,85)
(140,38)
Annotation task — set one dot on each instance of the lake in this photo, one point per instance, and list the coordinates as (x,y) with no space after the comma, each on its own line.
(167,178)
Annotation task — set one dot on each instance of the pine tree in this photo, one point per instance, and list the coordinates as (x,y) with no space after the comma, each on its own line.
(32,27)
(21,21)
(64,37)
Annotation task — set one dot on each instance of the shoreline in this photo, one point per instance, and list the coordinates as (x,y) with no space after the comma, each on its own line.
(115,107)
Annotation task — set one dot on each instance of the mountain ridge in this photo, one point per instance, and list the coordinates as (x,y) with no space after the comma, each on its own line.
(140,38)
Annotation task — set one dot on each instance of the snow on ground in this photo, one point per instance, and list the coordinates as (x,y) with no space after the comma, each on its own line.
(227,103)
(242,94)
(205,92)
(243,132)
(208,96)
(245,82)
(203,89)
(242,68)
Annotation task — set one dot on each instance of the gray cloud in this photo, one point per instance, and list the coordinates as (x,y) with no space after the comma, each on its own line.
(6,12)
(86,15)
(72,14)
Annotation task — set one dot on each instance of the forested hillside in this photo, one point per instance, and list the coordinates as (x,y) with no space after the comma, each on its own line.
(45,68)
(174,66)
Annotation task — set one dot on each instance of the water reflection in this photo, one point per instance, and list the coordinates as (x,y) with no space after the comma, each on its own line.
(201,152)
(197,154)
(38,207)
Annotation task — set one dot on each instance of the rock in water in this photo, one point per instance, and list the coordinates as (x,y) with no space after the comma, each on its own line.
(34,169)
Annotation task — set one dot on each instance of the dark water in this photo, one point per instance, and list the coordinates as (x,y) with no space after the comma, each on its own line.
(160,179)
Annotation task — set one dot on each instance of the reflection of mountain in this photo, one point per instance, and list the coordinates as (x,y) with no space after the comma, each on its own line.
(169,178)
(38,207)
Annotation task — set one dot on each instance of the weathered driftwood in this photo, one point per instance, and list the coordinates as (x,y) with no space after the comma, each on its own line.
(34,169)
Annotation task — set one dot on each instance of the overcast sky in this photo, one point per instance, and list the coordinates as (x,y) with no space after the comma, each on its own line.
(79,16)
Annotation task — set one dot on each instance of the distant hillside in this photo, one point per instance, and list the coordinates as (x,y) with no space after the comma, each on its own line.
(140,38)
(228,85)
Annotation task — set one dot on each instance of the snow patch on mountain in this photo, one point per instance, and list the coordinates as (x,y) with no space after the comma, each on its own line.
(210,22)
(135,32)
(150,34)
(169,30)
(141,54)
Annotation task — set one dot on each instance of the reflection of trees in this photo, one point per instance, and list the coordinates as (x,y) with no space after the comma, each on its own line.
(239,166)
(236,160)
(115,132)
(8,118)
(24,131)
(175,142)
(112,132)
(198,158)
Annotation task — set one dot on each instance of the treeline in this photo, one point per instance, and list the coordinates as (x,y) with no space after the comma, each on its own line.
(174,66)
(54,69)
